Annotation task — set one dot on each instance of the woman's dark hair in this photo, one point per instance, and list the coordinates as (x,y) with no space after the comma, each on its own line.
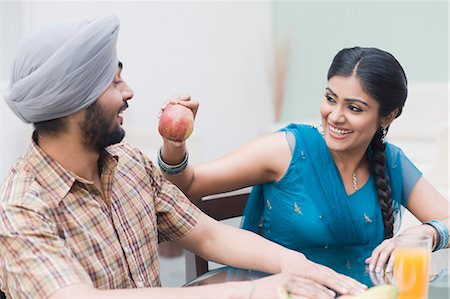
(383,78)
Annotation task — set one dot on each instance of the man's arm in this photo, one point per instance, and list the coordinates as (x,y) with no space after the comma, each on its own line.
(240,248)
(229,245)
(225,290)
(274,286)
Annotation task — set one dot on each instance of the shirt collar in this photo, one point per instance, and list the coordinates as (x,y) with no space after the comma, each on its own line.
(53,177)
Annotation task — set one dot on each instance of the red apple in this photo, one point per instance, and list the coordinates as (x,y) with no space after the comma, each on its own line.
(176,122)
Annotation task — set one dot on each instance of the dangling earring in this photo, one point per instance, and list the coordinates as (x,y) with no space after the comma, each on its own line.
(383,135)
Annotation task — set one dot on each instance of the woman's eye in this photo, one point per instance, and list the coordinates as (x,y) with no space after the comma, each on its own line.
(117,82)
(330,99)
(354,108)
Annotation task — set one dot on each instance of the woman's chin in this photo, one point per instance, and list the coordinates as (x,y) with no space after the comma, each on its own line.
(334,144)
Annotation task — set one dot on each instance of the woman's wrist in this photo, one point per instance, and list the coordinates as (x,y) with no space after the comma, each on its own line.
(430,230)
(173,152)
(442,233)
(172,169)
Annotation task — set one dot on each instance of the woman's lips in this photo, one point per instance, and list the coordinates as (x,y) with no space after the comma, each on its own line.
(339,133)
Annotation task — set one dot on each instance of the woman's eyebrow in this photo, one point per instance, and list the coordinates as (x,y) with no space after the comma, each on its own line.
(347,99)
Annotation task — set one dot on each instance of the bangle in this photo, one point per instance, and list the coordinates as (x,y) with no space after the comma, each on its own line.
(442,231)
(173,169)
(435,236)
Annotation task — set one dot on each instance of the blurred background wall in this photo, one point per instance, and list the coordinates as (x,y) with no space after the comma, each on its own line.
(415,32)
(219,52)
(253,65)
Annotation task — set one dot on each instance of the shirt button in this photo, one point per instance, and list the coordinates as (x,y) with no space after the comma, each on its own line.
(139,284)
(127,250)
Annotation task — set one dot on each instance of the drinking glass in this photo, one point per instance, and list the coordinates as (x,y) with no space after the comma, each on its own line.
(412,256)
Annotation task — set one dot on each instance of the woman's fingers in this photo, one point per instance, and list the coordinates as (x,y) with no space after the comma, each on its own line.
(382,259)
(373,259)
(381,255)
(390,264)
(375,278)
(189,103)
(184,100)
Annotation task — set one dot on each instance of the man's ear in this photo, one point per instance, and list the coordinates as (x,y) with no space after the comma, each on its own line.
(387,120)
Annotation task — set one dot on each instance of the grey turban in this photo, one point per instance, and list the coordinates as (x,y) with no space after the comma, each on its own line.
(63,68)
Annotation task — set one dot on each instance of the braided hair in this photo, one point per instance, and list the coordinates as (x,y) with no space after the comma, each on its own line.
(383,78)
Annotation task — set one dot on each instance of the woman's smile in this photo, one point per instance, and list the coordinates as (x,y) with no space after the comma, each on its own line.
(339,133)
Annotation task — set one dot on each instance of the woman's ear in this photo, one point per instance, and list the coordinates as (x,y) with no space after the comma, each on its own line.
(387,120)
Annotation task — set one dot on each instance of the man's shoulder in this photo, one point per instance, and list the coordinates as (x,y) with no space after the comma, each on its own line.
(123,149)
(20,184)
(128,155)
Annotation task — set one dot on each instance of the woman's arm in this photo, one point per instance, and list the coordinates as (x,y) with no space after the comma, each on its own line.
(426,204)
(262,160)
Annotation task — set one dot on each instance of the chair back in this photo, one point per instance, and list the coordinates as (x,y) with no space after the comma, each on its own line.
(220,207)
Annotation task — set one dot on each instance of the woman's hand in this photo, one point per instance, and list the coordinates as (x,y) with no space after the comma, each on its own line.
(184,100)
(298,265)
(382,255)
(174,151)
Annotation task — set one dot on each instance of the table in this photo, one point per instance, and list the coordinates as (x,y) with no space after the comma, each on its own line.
(438,289)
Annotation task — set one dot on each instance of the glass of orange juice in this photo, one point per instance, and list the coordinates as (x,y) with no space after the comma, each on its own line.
(412,256)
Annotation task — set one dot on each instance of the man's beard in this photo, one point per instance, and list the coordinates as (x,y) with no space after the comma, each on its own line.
(99,129)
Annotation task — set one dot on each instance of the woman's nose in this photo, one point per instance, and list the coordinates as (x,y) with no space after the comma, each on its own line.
(336,116)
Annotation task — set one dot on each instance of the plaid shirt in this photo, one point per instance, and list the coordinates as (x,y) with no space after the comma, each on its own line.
(57,230)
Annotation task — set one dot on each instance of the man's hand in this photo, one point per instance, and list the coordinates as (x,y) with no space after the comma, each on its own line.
(285,285)
(297,264)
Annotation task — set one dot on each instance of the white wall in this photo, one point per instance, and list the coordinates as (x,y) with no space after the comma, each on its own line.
(219,52)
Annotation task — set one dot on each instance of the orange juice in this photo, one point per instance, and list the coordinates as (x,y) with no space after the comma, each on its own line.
(411,267)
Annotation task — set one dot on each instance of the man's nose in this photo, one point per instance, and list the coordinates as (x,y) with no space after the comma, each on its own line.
(127,92)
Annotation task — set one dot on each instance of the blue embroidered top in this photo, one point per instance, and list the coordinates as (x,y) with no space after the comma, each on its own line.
(308,210)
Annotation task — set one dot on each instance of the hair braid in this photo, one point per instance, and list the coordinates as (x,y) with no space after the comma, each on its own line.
(382,183)
(383,78)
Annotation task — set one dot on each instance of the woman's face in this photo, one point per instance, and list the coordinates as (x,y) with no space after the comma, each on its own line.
(349,115)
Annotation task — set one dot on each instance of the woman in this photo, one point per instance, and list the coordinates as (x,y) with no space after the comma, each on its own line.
(332,193)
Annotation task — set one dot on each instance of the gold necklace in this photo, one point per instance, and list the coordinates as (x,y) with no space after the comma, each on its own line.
(354,177)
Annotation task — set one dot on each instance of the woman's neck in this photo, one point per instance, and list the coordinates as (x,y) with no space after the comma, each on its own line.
(346,161)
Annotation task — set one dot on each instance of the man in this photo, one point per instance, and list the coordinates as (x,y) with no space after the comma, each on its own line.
(81,213)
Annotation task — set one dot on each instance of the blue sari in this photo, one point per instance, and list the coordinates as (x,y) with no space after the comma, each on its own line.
(309,210)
